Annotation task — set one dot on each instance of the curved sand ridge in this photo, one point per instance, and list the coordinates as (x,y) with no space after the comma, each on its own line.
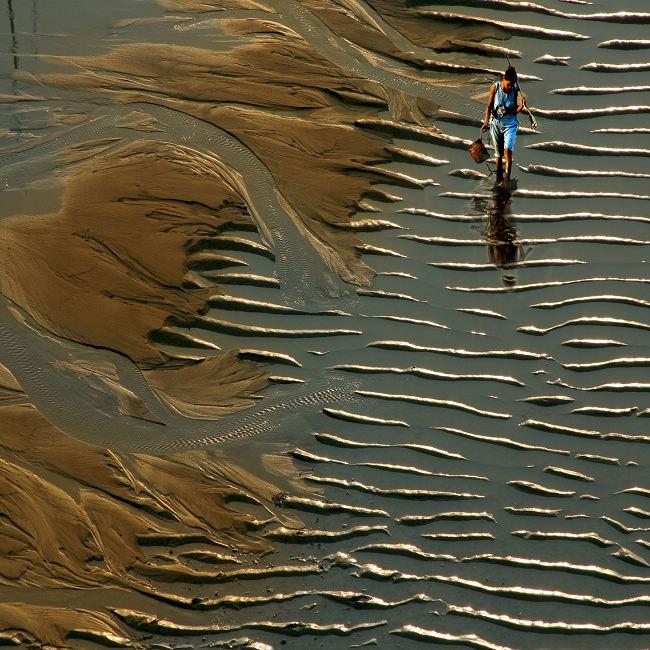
(67,268)
(82,517)
(139,221)
(507,482)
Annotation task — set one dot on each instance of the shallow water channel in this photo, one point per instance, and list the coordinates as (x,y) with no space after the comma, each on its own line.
(281,367)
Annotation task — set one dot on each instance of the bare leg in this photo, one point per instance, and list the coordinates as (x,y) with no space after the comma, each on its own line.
(508,156)
(499,162)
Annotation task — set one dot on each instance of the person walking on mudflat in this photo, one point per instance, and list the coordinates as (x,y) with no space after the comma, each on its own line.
(504,103)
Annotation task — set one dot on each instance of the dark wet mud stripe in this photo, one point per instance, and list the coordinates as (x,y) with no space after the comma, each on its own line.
(507,610)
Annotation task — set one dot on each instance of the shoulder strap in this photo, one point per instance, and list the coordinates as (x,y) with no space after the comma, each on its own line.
(495,100)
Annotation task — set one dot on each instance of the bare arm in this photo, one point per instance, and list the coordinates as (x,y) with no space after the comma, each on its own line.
(521,101)
(488,108)
(523,106)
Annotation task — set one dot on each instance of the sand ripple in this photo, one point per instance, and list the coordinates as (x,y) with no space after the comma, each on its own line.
(280,368)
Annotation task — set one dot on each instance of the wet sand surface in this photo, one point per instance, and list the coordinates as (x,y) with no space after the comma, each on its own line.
(278,366)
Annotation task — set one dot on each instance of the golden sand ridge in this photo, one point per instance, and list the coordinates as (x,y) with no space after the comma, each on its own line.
(120,250)
(205,6)
(372,29)
(287,103)
(116,248)
(81,517)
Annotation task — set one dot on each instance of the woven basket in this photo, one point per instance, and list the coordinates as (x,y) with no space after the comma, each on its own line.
(478,152)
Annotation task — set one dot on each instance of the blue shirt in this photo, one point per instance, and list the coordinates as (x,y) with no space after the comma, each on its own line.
(507,101)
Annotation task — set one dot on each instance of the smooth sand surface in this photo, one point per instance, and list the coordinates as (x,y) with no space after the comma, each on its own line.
(279,367)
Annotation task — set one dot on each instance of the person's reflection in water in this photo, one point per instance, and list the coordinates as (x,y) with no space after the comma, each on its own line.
(503,247)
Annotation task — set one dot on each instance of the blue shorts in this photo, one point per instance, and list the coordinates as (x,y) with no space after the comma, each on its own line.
(504,133)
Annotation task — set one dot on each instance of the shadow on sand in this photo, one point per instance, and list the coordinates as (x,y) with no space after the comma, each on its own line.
(504,248)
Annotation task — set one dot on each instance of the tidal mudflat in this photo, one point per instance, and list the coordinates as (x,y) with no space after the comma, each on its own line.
(278,368)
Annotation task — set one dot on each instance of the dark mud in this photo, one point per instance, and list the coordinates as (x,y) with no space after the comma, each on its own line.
(277,366)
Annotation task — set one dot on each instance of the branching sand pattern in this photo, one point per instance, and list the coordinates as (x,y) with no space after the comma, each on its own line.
(278,369)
